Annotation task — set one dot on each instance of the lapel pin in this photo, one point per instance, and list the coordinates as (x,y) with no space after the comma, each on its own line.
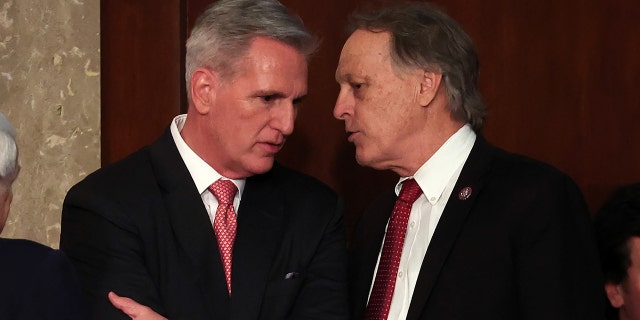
(465,193)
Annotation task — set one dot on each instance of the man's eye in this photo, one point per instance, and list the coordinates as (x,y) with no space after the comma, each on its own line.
(268,98)
(356,85)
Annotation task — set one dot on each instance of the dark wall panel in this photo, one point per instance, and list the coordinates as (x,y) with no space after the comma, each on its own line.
(141,77)
(560,80)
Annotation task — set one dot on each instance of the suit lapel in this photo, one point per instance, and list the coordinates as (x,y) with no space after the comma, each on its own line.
(365,250)
(190,222)
(450,224)
(259,231)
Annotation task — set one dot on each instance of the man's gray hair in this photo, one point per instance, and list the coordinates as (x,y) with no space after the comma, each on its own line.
(423,36)
(223,33)
(9,167)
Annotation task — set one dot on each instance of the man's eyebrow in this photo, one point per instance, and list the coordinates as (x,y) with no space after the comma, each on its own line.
(261,93)
(343,76)
(349,77)
(278,94)
(299,99)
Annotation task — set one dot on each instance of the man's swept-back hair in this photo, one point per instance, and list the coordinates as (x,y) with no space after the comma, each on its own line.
(223,33)
(9,167)
(423,36)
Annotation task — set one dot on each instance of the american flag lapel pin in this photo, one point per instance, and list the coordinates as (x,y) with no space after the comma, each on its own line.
(465,193)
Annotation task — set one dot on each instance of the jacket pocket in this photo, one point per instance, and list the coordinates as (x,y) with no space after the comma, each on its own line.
(280,296)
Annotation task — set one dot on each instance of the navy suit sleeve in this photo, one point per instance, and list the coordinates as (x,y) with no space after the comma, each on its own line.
(59,290)
(38,283)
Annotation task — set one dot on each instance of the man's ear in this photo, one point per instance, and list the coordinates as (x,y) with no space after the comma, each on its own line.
(429,87)
(615,294)
(203,89)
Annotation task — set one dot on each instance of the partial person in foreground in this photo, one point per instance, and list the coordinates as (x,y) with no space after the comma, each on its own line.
(37,282)
(617,226)
(469,231)
(160,226)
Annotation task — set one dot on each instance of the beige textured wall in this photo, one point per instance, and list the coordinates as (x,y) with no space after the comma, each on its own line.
(50,91)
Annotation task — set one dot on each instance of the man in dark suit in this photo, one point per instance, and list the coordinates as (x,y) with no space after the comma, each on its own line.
(156,227)
(617,228)
(488,234)
(37,282)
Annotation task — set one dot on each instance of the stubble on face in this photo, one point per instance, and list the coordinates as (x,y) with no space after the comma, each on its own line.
(377,100)
(256,109)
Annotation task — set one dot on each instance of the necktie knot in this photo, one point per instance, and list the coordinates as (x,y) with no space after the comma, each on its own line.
(224,191)
(410,191)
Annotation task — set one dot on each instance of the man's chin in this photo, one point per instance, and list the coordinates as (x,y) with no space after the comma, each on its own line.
(370,162)
(362,160)
(262,166)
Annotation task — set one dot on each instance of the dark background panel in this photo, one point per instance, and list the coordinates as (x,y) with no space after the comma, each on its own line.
(560,79)
(141,73)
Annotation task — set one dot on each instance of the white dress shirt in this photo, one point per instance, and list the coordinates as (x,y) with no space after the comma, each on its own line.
(203,174)
(436,178)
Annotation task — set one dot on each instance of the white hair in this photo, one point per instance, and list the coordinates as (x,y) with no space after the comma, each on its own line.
(9,167)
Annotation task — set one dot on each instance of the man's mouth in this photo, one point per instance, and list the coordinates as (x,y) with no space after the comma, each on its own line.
(272,147)
(351,135)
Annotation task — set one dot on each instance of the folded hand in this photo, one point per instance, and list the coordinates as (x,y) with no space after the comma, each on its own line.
(133,309)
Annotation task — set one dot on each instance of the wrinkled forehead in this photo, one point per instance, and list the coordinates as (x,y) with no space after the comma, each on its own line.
(364,50)
(367,43)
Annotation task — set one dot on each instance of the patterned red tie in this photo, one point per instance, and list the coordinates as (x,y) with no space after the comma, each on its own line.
(385,283)
(224,224)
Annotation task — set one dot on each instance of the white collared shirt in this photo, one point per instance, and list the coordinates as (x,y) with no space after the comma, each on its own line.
(436,178)
(203,174)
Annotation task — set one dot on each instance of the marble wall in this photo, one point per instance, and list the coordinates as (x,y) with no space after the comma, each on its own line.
(50,91)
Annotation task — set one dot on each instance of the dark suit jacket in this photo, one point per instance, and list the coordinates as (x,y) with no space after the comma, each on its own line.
(520,247)
(37,283)
(139,228)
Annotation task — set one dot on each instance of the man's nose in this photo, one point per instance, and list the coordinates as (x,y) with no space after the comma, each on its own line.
(343,107)
(284,118)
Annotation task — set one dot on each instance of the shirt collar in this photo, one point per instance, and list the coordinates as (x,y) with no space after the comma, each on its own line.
(203,174)
(434,175)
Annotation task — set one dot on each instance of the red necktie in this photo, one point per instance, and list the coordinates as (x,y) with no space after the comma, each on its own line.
(224,224)
(385,283)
